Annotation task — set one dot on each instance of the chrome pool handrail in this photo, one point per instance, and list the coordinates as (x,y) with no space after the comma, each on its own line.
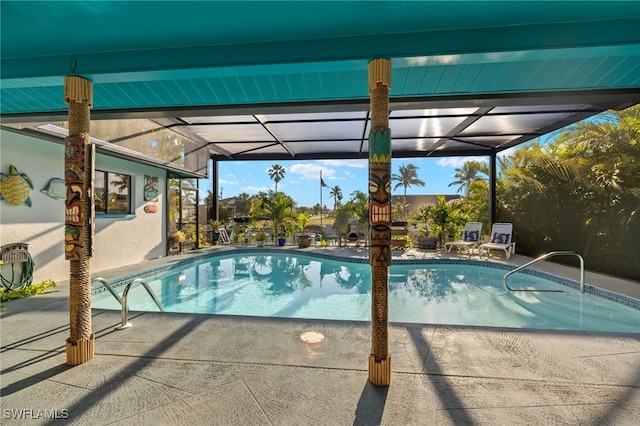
(543,257)
(108,287)
(126,324)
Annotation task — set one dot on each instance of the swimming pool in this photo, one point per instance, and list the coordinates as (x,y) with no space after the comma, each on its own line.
(281,283)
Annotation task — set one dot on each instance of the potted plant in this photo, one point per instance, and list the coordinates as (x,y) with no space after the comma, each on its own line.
(304,238)
(423,239)
(278,208)
(426,242)
(260,238)
(178,236)
(240,237)
(441,219)
(215,231)
(282,236)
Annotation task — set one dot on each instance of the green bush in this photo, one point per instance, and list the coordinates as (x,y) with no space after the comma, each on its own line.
(30,290)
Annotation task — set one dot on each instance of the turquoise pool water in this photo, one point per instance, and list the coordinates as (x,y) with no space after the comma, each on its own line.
(293,285)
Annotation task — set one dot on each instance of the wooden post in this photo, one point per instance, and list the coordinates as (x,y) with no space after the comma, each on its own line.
(379,219)
(79,218)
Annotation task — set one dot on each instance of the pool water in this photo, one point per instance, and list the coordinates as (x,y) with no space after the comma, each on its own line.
(298,286)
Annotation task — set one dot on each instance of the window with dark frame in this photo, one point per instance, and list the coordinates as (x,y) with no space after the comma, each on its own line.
(112,193)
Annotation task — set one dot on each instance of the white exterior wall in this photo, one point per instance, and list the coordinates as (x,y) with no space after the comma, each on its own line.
(121,241)
(118,241)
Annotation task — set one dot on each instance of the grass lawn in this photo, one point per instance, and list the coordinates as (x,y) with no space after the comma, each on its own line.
(326,221)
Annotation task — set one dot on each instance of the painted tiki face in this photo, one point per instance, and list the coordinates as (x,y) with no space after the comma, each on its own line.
(380,197)
(380,214)
(74,176)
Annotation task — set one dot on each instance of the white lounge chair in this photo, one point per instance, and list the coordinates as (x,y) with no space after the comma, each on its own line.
(501,239)
(470,238)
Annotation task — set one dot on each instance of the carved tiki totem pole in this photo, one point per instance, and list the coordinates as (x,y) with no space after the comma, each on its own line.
(78,157)
(379,218)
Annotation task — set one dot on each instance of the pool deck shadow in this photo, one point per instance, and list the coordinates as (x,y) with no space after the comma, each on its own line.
(194,369)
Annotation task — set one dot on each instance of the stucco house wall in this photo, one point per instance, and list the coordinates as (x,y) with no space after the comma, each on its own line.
(118,241)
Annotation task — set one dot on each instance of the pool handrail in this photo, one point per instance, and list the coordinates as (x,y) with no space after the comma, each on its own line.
(541,258)
(108,287)
(125,293)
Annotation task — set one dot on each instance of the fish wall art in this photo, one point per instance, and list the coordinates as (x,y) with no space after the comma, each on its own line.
(56,188)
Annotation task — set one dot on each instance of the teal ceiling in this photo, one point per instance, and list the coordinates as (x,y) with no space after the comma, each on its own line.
(179,59)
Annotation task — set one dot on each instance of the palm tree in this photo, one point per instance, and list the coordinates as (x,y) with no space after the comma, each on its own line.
(189,191)
(468,174)
(336,193)
(276,172)
(515,168)
(407,176)
(581,189)
(359,206)
(243,203)
(278,208)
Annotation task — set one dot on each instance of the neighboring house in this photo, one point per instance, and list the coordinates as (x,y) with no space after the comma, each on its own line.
(230,203)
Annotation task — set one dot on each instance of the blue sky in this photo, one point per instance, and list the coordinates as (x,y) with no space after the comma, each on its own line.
(302,178)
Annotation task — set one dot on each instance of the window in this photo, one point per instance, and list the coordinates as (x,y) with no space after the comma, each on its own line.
(112,193)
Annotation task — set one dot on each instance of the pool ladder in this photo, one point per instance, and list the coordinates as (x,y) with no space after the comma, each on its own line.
(123,300)
(541,258)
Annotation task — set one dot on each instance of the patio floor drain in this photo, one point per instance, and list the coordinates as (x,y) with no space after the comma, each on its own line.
(312,337)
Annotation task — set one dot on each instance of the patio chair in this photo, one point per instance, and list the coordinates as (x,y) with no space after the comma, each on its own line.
(399,235)
(330,234)
(470,238)
(224,235)
(501,239)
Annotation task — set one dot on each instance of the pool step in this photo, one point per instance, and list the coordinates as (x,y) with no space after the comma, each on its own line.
(597,307)
(569,308)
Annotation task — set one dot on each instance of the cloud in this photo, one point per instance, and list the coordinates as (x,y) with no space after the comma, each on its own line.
(311,171)
(227,182)
(255,189)
(455,162)
(358,164)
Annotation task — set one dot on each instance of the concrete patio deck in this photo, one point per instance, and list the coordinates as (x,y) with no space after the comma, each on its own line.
(186,369)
